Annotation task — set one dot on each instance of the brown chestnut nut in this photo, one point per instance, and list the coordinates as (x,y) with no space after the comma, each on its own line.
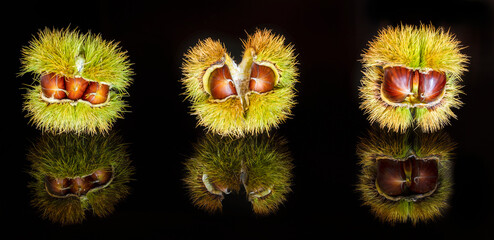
(431,86)
(75,87)
(53,86)
(221,83)
(96,93)
(262,78)
(391,178)
(397,84)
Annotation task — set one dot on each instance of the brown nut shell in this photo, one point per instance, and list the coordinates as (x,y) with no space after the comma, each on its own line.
(221,83)
(262,78)
(397,84)
(75,87)
(53,86)
(431,86)
(96,93)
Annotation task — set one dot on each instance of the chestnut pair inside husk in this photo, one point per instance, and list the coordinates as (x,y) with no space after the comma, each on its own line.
(221,84)
(407,86)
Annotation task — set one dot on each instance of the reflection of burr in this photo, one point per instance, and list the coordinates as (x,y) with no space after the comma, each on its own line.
(74,173)
(260,164)
(405,177)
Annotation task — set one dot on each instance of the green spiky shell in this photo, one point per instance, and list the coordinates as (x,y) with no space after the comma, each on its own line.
(264,161)
(56,51)
(70,156)
(266,111)
(422,48)
(398,146)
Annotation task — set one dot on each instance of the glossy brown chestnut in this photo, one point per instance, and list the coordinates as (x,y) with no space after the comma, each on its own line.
(424,176)
(262,78)
(75,87)
(221,83)
(431,86)
(391,178)
(96,93)
(397,84)
(53,86)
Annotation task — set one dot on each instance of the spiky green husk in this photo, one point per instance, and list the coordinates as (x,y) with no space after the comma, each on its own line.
(56,51)
(266,111)
(264,161)
(422,48)
(398,146)
(70,156)
(79,118)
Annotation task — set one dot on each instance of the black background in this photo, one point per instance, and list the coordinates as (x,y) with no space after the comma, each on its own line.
(329,37)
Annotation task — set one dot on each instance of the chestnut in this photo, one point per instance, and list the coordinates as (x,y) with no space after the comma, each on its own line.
(53,86)
(80,186)
(100,177)
(397,84)
(431,86)
(221,83)
(75,87)
(391,178)
(424,176)
(262,78)
(96,93)
(57,186)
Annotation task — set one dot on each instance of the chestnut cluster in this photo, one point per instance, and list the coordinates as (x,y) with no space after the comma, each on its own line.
(58,87)
(262,79)
(412,176)
(79,186)
(406,85)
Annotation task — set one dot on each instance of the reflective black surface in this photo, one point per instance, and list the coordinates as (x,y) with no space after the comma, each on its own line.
(322,135)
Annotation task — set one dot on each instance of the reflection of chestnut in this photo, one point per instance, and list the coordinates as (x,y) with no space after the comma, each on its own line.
(431,86)
(75,87)
(96,93)
(100,177)
(221,83)
(391,178)
(424,176)
(53,86)
(57,186)
(262,78)
(411,176)
(397,84)
(80,186)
